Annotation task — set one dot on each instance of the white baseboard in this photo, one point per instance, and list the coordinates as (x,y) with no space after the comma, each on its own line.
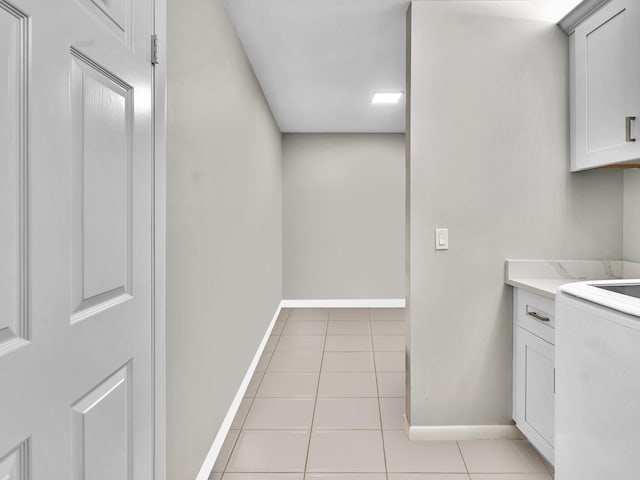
(345,303)
(463,432)
(218,441)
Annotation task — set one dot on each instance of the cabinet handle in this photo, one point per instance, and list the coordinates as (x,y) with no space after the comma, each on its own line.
(538,317)
(628,129)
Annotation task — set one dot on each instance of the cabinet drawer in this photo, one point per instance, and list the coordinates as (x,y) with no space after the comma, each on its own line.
(535,313)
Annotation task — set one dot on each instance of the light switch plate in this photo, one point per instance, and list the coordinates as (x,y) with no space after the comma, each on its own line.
(442,238)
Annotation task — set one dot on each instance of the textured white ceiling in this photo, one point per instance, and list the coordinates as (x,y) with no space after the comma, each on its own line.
(320,61)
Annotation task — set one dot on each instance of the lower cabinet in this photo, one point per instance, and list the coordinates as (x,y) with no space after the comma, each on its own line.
(534,369)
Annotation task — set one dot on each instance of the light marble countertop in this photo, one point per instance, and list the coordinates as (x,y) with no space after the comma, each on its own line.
(543,277)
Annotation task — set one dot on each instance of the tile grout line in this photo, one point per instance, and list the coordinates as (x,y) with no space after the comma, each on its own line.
(275,348)
(375,374)
(315,400)
(235,443)
(463,460)
(226,463)
(266,368)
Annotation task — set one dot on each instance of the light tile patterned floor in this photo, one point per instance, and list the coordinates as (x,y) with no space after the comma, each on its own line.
(326,403)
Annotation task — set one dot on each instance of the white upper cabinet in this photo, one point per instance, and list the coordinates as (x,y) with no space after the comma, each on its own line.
(605,86)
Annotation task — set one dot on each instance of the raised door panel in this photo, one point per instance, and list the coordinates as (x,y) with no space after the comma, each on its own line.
(102,135)
(114,15)
(13,180)
(101,430)
(15,464)
(115,10)
(605,63)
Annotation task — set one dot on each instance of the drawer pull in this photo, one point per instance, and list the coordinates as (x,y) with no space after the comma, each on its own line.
(538,317)
(628,129)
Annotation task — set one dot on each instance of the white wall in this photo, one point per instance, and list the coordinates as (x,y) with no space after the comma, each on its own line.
(343,216)
(489,159)
(632,215)
(224,226)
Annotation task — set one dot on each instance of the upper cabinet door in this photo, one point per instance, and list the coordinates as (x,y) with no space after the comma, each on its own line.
(606,87)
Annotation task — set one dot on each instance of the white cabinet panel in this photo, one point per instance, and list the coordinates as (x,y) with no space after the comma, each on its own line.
(539,385)
(605,90)
(605,85)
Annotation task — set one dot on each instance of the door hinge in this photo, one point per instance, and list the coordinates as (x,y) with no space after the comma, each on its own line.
(154,49)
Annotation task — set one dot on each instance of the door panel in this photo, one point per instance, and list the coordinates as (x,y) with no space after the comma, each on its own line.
(115,16)
(14,465)
(101,430)
(13,74)
(102,134)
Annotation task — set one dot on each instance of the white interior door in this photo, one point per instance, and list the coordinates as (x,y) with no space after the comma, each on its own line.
(76,211)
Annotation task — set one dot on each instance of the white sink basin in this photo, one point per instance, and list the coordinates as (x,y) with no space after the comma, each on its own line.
(620,295)
(630,289)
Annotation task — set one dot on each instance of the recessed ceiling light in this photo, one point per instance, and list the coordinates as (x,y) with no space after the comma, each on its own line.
(386,98)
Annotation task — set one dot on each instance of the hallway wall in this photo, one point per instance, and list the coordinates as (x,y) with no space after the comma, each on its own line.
(343,216)
(224,249)
(489,159)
